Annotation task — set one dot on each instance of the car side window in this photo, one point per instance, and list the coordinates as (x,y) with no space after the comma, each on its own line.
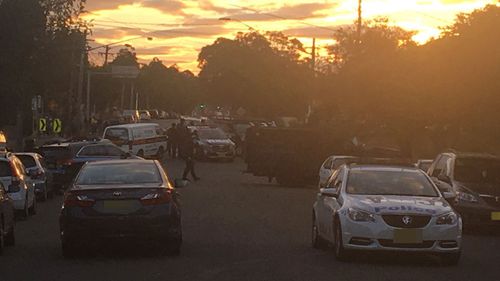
(113,151)
(97,150)
(19,166)
(328,164)
(439,167)
(331,181)
(339,180)
(42,162)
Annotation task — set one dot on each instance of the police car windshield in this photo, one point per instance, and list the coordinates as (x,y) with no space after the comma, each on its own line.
(399,183)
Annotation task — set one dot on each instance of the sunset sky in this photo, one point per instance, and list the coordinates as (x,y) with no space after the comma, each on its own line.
(180,28)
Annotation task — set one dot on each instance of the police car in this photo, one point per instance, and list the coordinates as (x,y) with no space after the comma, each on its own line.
(385,208)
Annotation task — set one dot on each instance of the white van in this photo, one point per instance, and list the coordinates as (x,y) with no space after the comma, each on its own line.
(144,139)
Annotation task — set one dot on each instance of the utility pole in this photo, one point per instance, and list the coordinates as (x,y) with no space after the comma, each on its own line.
(313,55)
(106,55)
(79,96)
(360,20)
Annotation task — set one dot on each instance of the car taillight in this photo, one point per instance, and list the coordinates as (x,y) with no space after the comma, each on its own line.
(75,200)
(15,185)
(157,198)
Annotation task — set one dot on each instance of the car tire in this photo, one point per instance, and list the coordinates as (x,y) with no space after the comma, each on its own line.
(10,238)
(160,153)
(2,238)
(341,253)
(32,209)
(450,259)
(317,241)
(25,211)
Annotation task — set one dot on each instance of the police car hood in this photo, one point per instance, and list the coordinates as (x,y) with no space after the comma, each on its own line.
(390,204)
(217,141)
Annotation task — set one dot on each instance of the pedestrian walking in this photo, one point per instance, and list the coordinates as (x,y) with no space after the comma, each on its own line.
(187,153)
(172,144)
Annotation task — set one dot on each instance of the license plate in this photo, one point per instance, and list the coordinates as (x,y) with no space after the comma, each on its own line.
(495,216)
(118,205)
(408,236)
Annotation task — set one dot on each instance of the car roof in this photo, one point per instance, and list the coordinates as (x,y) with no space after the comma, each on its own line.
(121,161)
(384,168)
(32,154)
(76,143)
(138,125)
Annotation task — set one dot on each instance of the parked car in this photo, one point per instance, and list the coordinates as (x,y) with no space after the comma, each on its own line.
(475,179)
(121,199)
(154,113)
(39,174)
(96,152)
(132,115)
(7,233)
(144,115)
(213,143)
(144,139)
(385,208)
(59,157)
(331,164)
(19,186)
(424,164)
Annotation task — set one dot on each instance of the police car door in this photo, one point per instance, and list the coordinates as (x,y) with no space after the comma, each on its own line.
(322,209)
(333,203)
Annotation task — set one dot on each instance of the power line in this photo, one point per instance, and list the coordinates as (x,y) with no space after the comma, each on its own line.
(283,18)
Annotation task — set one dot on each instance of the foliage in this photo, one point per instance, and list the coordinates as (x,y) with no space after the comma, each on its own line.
(258,72)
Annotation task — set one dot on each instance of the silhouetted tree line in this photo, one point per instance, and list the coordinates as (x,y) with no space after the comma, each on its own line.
(447,89)
(40,46)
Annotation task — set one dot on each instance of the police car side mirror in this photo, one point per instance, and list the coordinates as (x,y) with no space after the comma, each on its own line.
(329,192)
(449,195)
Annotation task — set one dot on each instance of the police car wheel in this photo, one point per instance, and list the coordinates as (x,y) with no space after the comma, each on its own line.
(450,259)
(316,240)
(340,253)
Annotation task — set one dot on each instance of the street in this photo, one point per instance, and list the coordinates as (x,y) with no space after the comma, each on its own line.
(236,227)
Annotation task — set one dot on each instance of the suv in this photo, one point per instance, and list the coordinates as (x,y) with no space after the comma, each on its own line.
(18,185)
(475,179)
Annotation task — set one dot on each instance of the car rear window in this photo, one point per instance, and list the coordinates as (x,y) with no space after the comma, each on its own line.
(27,160)
(399,183)
(119,173)
(5,169)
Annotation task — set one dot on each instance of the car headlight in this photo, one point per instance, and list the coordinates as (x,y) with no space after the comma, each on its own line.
(449,218)
(359,215)
(467,197)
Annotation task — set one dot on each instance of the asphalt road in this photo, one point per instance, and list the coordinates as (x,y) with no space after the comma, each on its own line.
(236,227)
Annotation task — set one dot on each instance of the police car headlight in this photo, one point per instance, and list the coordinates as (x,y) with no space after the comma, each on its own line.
(359,215)
(466,197)
(449,218)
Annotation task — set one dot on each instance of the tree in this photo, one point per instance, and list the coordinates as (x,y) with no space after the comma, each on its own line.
(260,72)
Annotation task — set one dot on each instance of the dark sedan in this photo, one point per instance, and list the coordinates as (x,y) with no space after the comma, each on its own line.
(120,199)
